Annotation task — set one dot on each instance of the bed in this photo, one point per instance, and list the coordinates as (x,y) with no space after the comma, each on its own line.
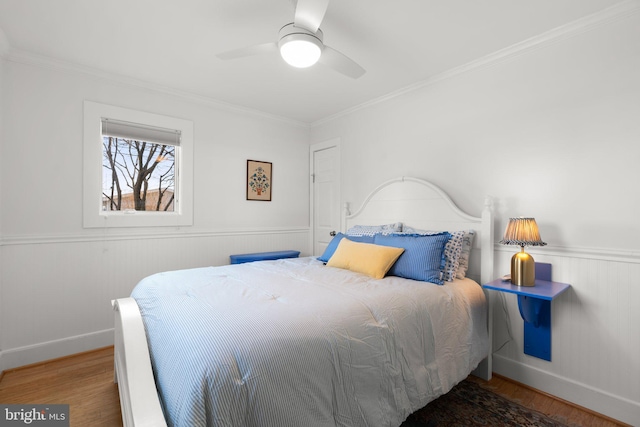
(301,342)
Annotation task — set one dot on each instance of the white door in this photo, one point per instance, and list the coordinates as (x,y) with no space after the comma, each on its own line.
(325,190)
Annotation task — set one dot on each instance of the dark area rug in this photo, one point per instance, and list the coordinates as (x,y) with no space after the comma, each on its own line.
(468,405)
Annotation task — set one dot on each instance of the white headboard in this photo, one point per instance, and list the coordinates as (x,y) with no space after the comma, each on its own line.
(421,204)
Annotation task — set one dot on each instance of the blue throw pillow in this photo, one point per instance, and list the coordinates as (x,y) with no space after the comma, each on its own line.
(333,244)
(423,256)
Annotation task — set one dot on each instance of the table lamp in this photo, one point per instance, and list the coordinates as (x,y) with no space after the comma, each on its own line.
(522,232)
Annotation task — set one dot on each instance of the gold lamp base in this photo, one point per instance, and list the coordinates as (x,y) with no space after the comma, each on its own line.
(523,269)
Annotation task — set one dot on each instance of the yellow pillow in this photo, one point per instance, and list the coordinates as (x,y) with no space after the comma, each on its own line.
(367,258)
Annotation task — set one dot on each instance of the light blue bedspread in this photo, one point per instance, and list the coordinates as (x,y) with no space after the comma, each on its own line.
(296,343)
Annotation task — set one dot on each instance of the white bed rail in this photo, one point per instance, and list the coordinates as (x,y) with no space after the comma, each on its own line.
(133,373)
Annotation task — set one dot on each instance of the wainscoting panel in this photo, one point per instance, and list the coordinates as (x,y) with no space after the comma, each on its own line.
(56,295)
(595,336)
(56,292)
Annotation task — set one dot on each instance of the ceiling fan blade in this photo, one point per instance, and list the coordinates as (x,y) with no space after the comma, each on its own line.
(341,63)
(309,14)
(259,49)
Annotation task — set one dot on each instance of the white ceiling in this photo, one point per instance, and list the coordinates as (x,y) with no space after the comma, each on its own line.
(173,44)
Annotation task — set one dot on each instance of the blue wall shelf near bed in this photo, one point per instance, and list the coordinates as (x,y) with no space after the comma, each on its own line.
(534,303)
(263,256)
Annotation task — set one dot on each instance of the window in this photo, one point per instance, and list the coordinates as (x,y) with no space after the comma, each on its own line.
(137,168)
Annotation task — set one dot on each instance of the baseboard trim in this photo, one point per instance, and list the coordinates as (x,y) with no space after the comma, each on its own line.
(602,402)
(59,359)
(37,353)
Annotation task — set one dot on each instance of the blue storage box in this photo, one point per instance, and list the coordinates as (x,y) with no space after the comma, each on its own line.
(263,256)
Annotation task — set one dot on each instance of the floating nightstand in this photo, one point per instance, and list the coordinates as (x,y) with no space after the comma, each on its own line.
(534,303)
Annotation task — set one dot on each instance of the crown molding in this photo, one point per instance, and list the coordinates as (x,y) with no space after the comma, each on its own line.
(588,23)
(42,61)
(598,19)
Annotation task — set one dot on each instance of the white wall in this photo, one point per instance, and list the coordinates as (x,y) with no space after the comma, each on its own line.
(3,52)
(550,131)
(58,278)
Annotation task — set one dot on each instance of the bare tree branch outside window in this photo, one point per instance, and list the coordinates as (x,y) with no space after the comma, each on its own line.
(137,175)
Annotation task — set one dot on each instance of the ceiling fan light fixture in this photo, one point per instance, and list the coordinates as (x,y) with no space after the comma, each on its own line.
(299,47)
(300,53)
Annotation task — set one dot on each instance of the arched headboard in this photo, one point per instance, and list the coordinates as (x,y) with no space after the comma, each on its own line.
(423,205)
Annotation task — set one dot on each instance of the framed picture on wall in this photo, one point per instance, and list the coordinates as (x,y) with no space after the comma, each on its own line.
(259,180)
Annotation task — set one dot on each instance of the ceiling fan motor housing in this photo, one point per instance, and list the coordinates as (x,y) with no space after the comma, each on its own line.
(291,29)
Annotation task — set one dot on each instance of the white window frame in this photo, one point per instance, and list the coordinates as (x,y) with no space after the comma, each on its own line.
(93,215)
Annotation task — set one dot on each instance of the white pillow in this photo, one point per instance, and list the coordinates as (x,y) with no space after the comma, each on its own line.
(467,244)
(371,230)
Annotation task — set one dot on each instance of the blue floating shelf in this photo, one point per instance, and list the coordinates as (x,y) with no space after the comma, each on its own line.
(534,303)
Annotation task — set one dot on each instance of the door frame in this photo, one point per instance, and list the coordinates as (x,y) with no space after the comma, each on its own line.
(313,148)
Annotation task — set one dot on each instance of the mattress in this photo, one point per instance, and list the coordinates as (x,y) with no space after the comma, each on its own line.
(293,342)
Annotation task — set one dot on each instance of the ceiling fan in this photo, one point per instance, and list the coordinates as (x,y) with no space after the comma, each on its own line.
(300,42)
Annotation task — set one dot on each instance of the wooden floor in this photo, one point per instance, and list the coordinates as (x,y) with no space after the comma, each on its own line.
(85,382)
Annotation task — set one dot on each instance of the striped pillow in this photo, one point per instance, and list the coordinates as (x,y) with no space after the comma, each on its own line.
(452,251)
(423,256)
